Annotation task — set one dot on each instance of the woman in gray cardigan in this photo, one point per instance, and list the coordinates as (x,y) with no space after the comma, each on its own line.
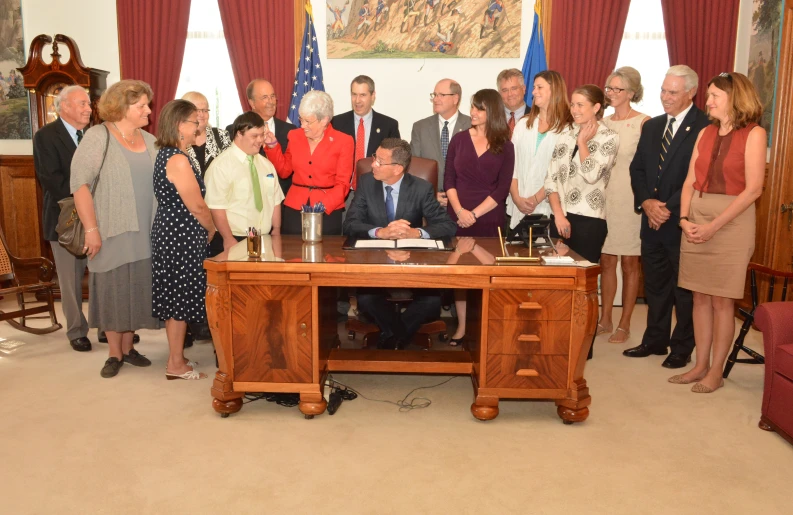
(118,218)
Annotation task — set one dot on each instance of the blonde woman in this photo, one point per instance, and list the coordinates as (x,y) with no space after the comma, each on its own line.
(623,87)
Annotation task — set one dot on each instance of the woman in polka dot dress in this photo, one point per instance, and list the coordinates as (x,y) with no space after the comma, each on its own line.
(179,236)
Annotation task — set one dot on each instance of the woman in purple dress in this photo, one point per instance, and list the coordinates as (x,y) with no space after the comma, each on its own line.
(479,166)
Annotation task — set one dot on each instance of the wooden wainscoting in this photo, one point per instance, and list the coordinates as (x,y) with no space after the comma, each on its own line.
(19,208)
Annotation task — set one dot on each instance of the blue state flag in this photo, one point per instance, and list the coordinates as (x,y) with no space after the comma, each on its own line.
(535,61)
(308,75)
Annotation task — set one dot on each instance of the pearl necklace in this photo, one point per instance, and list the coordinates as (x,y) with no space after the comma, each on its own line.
(130,143)
(621,119)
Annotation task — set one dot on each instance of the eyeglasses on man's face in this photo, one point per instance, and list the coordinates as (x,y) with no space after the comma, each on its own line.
(609,89)
(271,98)
(433,95)
(377,162)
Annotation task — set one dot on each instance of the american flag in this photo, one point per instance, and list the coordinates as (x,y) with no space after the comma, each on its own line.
(308,75)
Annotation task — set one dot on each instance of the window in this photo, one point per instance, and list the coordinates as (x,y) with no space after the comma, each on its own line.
(644,48)
(206,67)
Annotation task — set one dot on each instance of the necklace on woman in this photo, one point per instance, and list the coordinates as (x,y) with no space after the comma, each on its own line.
(130,143)
(623,118)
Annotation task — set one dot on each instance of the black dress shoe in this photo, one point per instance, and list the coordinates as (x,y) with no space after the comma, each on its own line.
(676,361)
(386,342)
(642,351)
(103,338)
(81,344)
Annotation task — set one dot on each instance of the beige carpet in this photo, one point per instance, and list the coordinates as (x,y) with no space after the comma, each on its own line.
(72,442)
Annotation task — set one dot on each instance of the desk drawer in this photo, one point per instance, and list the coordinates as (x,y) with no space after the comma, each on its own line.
(529,305)
(528,337)
(526,371)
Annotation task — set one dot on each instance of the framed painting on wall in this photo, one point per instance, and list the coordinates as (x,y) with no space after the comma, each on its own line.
(14,102)
(764,55)
(376,29)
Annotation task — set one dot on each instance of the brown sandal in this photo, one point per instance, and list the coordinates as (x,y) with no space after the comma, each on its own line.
(602,329)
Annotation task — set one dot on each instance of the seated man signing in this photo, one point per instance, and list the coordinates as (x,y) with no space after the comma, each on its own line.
(390,204)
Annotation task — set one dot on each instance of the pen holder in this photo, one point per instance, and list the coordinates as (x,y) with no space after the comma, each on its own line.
(312,227)
(312,253)
(255,246)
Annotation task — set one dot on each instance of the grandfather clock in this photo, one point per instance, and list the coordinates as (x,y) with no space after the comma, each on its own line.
(44,81)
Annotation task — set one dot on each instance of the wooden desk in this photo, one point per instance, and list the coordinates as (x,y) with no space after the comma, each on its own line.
(274,325)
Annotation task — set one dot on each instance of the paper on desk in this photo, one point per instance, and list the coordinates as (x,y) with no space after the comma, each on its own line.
(419,243)
(558,260)
(374,244)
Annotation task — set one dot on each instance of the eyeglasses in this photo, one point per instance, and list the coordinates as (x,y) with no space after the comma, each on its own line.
(433,95)
(268,97)
(378,163)
(306,123)
(726,76)
(202,111)
(609,89)
(191,121)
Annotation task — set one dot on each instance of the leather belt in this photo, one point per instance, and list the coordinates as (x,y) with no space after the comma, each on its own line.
(323,188)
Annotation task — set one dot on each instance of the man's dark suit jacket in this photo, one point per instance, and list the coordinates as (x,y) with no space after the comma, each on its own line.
(382,127)
(282,129)
(416,201)
(53,149)
(644,170)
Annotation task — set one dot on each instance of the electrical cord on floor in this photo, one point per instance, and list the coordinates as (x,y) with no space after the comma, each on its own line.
(287,400)
(404,405)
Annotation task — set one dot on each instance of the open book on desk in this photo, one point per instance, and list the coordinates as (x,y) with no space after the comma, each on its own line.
(406,243)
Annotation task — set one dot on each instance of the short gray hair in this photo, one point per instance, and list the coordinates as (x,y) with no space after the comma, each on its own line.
(509,73)
(317,103)
(689,76)
(65,92)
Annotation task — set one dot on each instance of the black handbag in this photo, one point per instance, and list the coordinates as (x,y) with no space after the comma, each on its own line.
(71,233)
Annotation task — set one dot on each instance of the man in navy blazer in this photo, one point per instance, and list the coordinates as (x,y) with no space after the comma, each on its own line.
(53,149)
(364,121)
(658,171)
(390,204)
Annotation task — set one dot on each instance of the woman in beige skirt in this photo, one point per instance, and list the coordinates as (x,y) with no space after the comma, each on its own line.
(724,180)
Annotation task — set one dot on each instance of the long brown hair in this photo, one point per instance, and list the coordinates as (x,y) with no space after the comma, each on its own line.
(496,128)
(744,104)
(559,116)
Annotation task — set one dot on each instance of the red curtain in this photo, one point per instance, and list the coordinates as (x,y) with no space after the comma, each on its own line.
(585,39)
(260,37)
(151,39)
(702,35)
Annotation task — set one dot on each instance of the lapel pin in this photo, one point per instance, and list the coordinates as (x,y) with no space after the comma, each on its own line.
(688,129)
(378,130)
(331,138)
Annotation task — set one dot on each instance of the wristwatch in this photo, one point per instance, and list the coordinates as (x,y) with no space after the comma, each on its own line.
(681,219)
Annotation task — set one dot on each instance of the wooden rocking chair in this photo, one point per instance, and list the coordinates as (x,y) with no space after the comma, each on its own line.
(8,266)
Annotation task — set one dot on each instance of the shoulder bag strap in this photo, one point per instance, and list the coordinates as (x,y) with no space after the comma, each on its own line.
(104,154)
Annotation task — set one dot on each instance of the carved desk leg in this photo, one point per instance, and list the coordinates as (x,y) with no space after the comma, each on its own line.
(574,408)
(312,403)
(485,408)
(225,400)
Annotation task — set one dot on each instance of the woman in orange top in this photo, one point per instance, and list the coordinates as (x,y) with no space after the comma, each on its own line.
(717,203)
(321,159)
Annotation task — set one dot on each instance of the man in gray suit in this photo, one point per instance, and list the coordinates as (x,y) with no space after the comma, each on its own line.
(431,136)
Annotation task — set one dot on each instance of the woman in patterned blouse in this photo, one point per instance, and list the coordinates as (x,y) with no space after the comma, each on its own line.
(579,174)
(210,141)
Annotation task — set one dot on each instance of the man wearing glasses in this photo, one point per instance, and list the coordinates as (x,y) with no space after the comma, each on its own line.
(262,99)
(390,205)
(430,137)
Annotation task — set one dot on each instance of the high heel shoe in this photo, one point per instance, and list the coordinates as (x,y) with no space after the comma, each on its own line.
(454,342)
(701,388)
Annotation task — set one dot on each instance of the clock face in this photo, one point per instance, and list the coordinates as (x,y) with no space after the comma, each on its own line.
(49,101)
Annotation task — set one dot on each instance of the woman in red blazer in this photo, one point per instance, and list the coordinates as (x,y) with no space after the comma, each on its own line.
(321,159)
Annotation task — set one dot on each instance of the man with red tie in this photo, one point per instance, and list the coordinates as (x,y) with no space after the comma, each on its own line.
(367,127)
(512,87)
